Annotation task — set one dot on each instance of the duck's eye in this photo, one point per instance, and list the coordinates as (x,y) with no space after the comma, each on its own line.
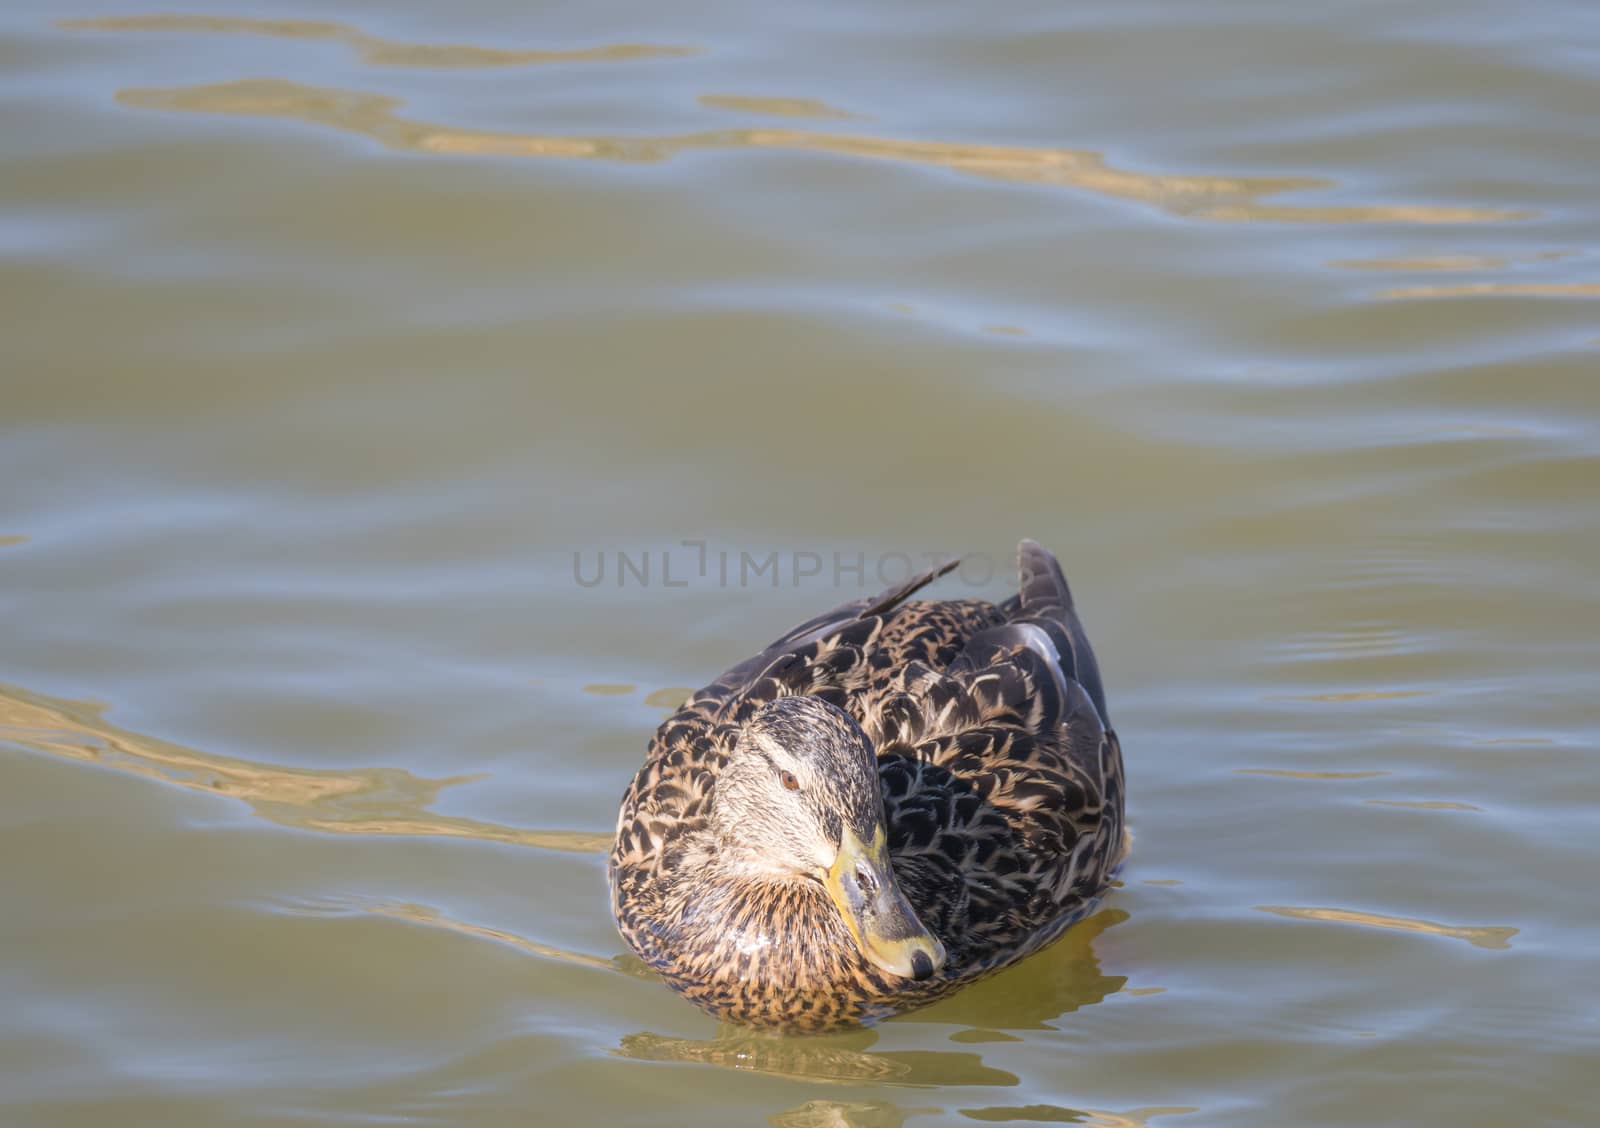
(788,780)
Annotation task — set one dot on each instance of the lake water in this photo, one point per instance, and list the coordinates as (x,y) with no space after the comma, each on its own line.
(402,403)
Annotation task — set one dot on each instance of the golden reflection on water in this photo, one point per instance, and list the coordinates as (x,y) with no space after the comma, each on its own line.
(1504,289)
(669,697)
(776,107)
(379,52)
(1447,262)
(1423,262)
(423,914)
(410,912)
(1232,198)
(350,801)
(1493,937)
(1424,804)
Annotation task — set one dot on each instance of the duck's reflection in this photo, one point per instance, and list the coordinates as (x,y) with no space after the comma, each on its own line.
(1029,995)
(829,1057)
(845,1114)
(1054,982)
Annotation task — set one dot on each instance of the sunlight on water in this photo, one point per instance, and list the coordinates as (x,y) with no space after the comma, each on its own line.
(362,801)
(422,914)
(774,107)
(373,50)
(1197,197)
(1508,289)
(1479,936)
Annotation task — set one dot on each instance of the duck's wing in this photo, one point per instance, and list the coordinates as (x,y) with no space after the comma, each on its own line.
(807,657)
(1010,780)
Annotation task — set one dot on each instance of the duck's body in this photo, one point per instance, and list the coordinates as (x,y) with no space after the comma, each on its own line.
(1001,808)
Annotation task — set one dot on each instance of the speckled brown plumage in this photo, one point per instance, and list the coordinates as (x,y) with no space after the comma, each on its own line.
(1001,783)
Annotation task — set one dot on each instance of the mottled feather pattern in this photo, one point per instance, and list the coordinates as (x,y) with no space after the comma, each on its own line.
(1001,782)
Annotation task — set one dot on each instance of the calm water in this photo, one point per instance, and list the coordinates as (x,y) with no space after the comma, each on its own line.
(336,334)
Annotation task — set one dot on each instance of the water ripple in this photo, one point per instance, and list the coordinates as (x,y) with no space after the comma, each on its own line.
(1493,937)
(1220,197)
(1056,1114)
(1502,289)
(372,49)
(1287,773)
(1424,804)
(347,801)
(775,107)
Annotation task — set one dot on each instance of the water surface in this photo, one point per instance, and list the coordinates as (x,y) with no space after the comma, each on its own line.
(344,344)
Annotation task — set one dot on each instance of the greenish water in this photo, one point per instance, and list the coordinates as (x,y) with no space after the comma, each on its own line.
(344,344)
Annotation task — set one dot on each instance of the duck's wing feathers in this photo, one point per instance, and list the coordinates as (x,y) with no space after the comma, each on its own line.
(805,656)
(1016,720)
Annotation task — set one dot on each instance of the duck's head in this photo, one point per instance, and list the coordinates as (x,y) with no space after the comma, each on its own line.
(799,797)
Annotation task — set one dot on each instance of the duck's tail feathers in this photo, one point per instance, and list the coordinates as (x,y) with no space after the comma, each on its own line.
(1044,600)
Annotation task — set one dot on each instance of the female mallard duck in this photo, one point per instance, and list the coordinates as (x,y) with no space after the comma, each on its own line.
(890,801)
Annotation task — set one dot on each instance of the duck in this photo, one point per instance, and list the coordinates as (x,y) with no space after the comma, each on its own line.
(893,800)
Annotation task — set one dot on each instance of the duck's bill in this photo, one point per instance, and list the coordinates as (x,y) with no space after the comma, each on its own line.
(863,886)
